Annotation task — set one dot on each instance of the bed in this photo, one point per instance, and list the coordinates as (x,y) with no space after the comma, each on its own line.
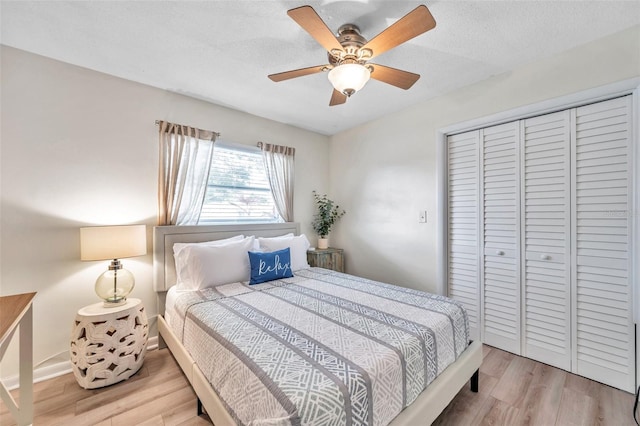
(325,373)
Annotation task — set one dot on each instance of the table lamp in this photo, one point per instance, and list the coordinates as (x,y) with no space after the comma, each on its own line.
(113,242)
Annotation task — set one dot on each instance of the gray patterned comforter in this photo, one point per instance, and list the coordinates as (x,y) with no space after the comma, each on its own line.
(321,348)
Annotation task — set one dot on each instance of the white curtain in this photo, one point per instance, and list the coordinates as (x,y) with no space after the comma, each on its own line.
(185,161)
(278,162)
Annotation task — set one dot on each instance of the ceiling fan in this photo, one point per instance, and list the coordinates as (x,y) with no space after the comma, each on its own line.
(350,52)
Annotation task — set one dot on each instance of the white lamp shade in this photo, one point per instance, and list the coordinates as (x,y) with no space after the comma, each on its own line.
(349,78)
(112,242)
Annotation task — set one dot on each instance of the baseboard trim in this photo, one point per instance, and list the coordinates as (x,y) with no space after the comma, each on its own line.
(41,374)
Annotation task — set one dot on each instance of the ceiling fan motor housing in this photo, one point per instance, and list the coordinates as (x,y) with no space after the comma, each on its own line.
(351,40)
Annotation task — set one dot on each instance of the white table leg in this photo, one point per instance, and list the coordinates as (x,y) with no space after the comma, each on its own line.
(26,369)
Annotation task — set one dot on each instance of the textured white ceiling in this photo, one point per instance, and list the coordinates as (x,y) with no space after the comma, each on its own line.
(222,51)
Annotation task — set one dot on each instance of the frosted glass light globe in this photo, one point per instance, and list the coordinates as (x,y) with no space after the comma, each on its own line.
(349,78)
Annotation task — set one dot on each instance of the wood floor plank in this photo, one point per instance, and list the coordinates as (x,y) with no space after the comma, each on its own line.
(58,406)
(196,421)
(154,421)
(463,409)
(181,414)
(131,388)
(514,383)
(542,400)
(140,412)
(495,362)
(576,409)
(124,402)
(513,391)
(496,412)
(614,407)
(582,385)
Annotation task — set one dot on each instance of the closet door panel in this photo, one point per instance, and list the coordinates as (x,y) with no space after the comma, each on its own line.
(500,290)
(546,203)
(463,273)
(603,341)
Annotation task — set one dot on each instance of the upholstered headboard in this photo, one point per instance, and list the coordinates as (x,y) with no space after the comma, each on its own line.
(164,237)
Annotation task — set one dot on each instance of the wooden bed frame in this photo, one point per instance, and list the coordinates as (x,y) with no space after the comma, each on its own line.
(423,411)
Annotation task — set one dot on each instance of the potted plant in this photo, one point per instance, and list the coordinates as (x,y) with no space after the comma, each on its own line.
(328,213)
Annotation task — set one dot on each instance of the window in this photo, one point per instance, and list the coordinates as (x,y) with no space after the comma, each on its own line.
(238,189)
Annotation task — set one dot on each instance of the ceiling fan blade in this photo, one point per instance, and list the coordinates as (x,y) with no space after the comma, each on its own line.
(311,22)
(337,98)
(394,77)
(414,23)
(297,73)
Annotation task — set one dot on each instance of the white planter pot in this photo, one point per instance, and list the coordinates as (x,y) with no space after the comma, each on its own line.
(323,243)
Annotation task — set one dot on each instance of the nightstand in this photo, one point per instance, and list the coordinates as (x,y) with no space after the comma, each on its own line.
(331,258)
(108,345)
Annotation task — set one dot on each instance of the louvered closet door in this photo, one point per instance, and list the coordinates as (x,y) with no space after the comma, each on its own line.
(501,240)
(546,240)
(603,341)
(463,266)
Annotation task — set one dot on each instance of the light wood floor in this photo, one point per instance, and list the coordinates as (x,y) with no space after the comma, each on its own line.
(519,391)
(513,391)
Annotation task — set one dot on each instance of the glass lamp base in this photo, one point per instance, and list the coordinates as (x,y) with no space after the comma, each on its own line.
(114,285)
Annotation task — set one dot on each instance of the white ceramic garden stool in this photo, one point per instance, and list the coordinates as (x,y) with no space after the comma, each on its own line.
(108,345)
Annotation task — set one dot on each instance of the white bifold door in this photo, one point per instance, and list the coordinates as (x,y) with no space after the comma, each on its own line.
(546,205)
(463,238)
(603,335)
(501,290)
(539,240)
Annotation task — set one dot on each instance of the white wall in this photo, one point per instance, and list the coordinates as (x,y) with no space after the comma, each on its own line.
(80,148)
(384,172)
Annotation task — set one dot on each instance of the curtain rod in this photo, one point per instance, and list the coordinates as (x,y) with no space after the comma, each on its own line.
(215,133)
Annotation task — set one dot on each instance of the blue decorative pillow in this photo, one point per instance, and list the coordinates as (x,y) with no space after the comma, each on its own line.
(270,266)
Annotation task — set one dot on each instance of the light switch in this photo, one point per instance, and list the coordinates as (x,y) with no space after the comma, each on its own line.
(422,216)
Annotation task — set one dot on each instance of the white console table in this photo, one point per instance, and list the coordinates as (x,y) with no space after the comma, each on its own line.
(17,311)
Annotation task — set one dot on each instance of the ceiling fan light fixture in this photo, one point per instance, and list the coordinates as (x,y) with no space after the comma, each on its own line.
(348,52)
(349,78)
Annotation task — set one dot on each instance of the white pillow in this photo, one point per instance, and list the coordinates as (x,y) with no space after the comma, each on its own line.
(214,265)
(180,259)
(298,247)
(177,247)
(289,235)
(257,244)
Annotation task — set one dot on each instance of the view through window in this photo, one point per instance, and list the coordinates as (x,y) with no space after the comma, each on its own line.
(238,189)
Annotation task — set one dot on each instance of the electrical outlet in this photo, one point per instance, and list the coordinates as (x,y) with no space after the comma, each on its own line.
(422,216)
